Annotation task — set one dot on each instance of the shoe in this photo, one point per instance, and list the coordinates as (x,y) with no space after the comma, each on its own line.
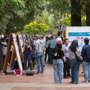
(71,82)
(60,82)
(75,83)
(41,72)
(85,81)
(37,72)
(66,77)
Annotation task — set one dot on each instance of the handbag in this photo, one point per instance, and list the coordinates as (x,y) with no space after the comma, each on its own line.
(78,58)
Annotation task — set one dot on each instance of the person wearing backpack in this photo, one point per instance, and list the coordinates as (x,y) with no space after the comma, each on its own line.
(86,60)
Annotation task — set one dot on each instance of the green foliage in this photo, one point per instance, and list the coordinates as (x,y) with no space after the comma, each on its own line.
(67,20)
(35,28)
(14,14)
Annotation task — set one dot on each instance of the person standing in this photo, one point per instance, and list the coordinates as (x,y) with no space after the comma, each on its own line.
(39,52)
(47,49)
(74,64)
(86,60)
(66,59)
(1,58)
(33,53)
(4,46)
(52,46)
(27,54)
(60,36)
(58,62)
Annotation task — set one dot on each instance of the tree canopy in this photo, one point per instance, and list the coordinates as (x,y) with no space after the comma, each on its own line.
(16,14)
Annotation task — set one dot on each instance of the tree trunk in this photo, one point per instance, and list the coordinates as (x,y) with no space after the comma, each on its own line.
(75,13)
(88,12)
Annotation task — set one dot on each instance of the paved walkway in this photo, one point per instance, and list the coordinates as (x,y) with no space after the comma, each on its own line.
(39,82)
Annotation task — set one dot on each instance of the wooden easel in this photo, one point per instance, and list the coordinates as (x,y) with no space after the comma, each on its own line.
(15,53)
(24,37)
(20,44)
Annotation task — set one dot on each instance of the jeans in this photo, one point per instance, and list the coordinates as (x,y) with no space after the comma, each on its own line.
(39,61)
(66,68)
(74,70)
(51,55)
(29,61)
(58,70)
(86,70)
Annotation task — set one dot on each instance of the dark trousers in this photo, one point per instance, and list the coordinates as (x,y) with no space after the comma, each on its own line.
(51,55)
(46,53)
(3,58)
(66,68)
(33,61)
(29,61)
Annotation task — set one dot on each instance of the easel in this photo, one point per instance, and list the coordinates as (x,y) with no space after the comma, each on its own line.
(20,44)
(15,53)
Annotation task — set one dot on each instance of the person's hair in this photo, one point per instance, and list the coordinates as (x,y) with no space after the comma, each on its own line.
(51,37)
(26,40)
(86,41)
(59,33)
(42,37)
(37,36)
(46,37)
(65,40)
(74,45)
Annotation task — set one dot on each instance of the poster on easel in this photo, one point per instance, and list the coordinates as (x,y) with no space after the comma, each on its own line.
(31,36)
(15,52)
(78,33)
(21,43)
(24,37)
(28,37)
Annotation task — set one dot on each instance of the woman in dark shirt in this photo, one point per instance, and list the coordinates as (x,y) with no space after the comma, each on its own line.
(27,54)
(58,62)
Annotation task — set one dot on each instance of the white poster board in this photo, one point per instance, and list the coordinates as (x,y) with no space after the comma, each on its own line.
(17,52)
(24,36)
(28,38)
(21,42)
(31,37)
(78,33)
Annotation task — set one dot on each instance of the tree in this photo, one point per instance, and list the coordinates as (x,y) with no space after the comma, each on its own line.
(88,12)
(35,28)
(75,13)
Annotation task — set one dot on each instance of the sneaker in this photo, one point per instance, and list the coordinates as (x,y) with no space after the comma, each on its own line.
(71,82)
(41,72)
(37,72)
(75,83)
(85,81)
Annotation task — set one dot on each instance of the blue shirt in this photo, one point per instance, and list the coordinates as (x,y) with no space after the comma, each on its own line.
(52,43)
(86,53)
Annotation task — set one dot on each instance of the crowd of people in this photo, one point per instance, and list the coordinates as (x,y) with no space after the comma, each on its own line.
(58,53)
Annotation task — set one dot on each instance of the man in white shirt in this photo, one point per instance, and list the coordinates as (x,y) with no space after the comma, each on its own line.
(39,52)
(66,59)
(4,46)
(60,35)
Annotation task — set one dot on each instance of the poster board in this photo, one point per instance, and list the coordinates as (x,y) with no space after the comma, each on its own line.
(12,38)
(78,33)
(21,43)
(31,37)
(24,37)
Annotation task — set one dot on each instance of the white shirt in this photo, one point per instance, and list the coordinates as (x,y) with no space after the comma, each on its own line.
(4,48)
(38,46)
(58,39)
(66,50)
(47,44)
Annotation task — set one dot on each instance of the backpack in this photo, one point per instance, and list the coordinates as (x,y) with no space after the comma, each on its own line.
(29,73)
